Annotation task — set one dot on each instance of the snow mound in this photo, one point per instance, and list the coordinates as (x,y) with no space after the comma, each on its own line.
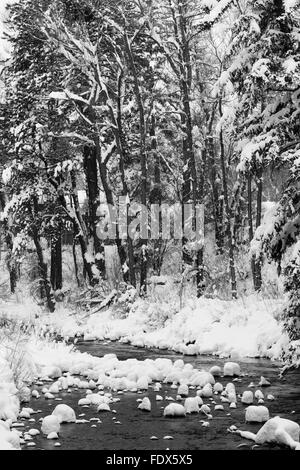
(191,405)
(174,410)
(231,369)
(247,397)
(64,413)
(203,326)
(281,431)
(257,414)
(50,424)
(145,405)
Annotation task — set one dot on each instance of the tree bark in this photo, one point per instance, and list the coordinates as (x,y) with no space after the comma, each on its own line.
(56,261)
(90,166)
(46,287)
(143,157)
(258,262)
(80,232)
(228,214)
(192,192)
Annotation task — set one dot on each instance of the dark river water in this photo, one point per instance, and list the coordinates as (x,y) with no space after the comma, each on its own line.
(129,428)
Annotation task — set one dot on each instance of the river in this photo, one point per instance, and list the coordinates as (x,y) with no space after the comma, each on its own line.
(129,428)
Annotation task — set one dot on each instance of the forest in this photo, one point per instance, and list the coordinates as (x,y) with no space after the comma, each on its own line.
(122,123)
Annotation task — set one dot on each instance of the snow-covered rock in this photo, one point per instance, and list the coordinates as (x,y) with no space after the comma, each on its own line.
(202,378)
(103,407)
(218,387)
(259,395)
(174,409)
(230,392)
(219,408)
(276,430)
(270,397)
(145,405)
(247,397)
(64,413)
(183,390)
(216,371)
(142,383)
(205,409)
(191,405)
(50,424)
(207,391)
(33,432)
(54,388)
(264,382)
(257,414)
(231,369)
(280,430)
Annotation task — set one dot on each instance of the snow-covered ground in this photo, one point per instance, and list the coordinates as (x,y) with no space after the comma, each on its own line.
(249,327)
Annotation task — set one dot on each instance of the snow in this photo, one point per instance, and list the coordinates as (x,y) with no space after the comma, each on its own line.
(145,405)
(191,405)
(231,369)
(257,414)
(218,387)
(183,390)
(103,407)
(207,391)
(290,4)
(281,431)
(174,410)
(50,424)
(216,371)
(64,413)
(247,397)
(214,326)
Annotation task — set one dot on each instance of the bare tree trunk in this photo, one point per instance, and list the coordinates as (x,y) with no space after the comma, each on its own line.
(228,214)
(120,139)
(56,261)
(192,189)
(214,178)
(250,224)
(258,263)
(10,262)
(75,258)
(46,287)
(80,232)
(143,157)
(159,245)
(90,166)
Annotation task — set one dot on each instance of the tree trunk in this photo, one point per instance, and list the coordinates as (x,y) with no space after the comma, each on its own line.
(217,208)
(90,166)
(143,157)
(192,191)
(258,262)
(10,262)
(46,287)
(75,258)
(228,214)
(80,232)
(56,261)
(159,245)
